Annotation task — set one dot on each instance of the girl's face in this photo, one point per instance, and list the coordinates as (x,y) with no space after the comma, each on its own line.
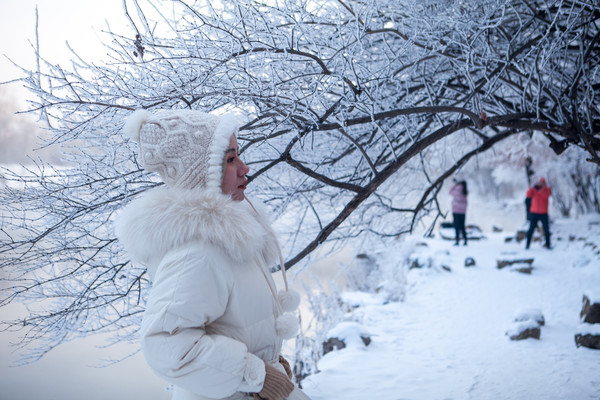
(234,172)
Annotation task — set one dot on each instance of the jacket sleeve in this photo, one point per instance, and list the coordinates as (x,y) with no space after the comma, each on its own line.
(190,291)
(530,193)
(453,190)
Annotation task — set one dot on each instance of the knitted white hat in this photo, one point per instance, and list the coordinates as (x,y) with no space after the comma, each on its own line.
(185,147)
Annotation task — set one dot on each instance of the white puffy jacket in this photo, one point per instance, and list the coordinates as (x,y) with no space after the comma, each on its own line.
(210,320)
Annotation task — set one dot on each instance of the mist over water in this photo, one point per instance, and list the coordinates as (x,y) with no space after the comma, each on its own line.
(72,372)
(20,135)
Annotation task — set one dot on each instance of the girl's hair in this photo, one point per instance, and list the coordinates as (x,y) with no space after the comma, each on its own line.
(464,185)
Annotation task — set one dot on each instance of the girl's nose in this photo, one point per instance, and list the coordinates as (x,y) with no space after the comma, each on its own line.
(243,170)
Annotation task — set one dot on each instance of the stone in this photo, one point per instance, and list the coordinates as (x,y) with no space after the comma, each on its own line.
(470,262)
(447,231)
(474,232)
(506,261)
(419,261)
(522,268)
(333,344)
(527,333)
(587,340)
(524,330)
(590,312)
(366,340)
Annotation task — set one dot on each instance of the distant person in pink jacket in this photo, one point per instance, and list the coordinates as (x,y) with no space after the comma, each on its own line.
(539,195)
(459,209)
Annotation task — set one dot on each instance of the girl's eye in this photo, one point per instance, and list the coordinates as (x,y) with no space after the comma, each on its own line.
(230,159)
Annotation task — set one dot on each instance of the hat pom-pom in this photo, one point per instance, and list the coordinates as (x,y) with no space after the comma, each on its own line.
(134,123)
(287,326)
(289,299)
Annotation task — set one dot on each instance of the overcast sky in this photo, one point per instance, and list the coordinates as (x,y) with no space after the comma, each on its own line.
(80,22)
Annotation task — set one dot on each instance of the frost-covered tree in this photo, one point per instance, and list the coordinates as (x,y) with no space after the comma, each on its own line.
(353,112)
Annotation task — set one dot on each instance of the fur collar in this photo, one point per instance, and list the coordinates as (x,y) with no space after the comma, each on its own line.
(164,218)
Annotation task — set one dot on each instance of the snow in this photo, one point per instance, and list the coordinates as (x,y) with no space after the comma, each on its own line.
(514,257)
(592,295)
(530,314)
(447,338)
(350,333)
(357,299)
(588,329)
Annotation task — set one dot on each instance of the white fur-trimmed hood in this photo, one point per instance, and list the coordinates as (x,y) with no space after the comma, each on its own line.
(164,219)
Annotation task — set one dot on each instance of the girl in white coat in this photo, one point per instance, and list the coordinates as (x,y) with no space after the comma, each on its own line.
(214,321)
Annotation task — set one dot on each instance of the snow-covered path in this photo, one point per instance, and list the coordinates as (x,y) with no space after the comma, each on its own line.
(447,339)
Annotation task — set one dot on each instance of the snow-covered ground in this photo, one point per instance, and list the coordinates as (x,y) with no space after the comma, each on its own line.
(447,339)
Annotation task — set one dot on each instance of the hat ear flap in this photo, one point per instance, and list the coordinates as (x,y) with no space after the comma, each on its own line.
(134,124)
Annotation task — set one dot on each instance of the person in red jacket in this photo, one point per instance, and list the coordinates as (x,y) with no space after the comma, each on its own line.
(539,195)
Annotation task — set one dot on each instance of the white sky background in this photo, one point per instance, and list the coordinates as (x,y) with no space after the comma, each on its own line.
(79,22)
(83,24)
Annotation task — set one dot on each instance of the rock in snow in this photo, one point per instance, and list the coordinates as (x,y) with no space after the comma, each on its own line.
(349,334)
(508,260)
(524,330)
(590,311)
(523,268)
(588,335)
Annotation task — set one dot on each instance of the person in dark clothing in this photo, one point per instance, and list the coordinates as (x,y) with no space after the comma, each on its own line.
(459,209)
(527,207)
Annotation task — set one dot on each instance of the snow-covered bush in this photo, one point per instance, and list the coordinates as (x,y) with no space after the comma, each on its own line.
(382,272)
(326,312)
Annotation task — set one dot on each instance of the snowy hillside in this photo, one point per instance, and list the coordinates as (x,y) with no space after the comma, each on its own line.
(447,339)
